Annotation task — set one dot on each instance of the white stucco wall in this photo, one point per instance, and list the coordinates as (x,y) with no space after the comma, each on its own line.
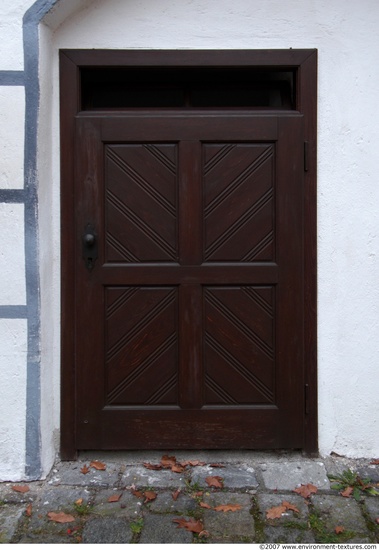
(345,33)
(13,332)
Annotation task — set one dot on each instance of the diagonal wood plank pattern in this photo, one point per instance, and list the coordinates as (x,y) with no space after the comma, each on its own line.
(238,202)
(141,345)
(239,345)
(141,189)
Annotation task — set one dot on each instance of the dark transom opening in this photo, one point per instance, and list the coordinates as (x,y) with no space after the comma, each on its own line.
(191,88)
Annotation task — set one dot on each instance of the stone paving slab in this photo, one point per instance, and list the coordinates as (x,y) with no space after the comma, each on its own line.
(234,476)
(110,530)
(235,526)
(336,511)
(70,474)
(165,504)
(9,519)
(283,535)
(142,477)
(162,530)
(287,476)
(372,507)
(127,506)
(268,501)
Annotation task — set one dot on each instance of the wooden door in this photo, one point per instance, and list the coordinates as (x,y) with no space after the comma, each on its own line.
(189,322)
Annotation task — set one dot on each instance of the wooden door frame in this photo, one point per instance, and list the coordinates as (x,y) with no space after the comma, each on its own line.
(305,64)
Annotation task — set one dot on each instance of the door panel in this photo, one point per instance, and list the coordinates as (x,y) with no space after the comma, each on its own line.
(141,210)
(238,201)
(195,302)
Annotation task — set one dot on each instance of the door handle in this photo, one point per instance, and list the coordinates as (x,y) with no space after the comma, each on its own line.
(89,246)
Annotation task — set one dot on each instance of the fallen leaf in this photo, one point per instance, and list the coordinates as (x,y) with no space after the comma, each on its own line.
(192,463)
(347,492)
(60,517)
(275,512)
(168,461)
(114,498)
(28,511)
(306,490)
(204,534)
(138,494)
(217,465)
(85,469)
(290,506)
(339,529)
(215,481)
(198,494)
(377,520)
(20,488)
(98,465)
(228,508)
(79,501)
(152,466)
(375,461)
(176,494)
(205,505)
(149,496)
(177,468)
(195,526)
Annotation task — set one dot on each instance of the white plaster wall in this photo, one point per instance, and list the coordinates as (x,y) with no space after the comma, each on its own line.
(49,250)
(12,122)
(13,342)
(345,33)
(11,50)
(12,255)
(12,261)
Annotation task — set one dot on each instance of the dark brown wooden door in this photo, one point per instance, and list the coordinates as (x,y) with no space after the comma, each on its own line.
(189,326)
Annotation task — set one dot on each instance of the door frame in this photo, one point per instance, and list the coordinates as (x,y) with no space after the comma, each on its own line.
(304,62)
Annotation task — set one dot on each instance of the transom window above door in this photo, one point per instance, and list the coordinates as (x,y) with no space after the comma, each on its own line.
(192,88)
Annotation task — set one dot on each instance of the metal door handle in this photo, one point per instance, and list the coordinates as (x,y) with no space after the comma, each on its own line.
(89,246)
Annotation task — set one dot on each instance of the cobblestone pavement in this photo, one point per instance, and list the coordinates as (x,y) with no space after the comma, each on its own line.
(255,501)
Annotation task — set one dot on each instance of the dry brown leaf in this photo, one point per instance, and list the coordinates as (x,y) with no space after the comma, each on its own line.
(195,526)
(306,490)
(228,507)
(152,466)
(85,469)
(60,517)
(149,496)
(192,463)
(375,461)
(275,512)
(98,465)
(20,488)
(215,481)
(114,498)
(138,494)
(204,534)
(79,501)
(217,465)
(290,506)
(168,461)
(177,468)
(198,494)
(205,505)
(28,511)
(377,520)
(176,494)
(339,529)
(347,492)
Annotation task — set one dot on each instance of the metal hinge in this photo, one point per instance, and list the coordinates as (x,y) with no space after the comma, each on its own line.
(306,155)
